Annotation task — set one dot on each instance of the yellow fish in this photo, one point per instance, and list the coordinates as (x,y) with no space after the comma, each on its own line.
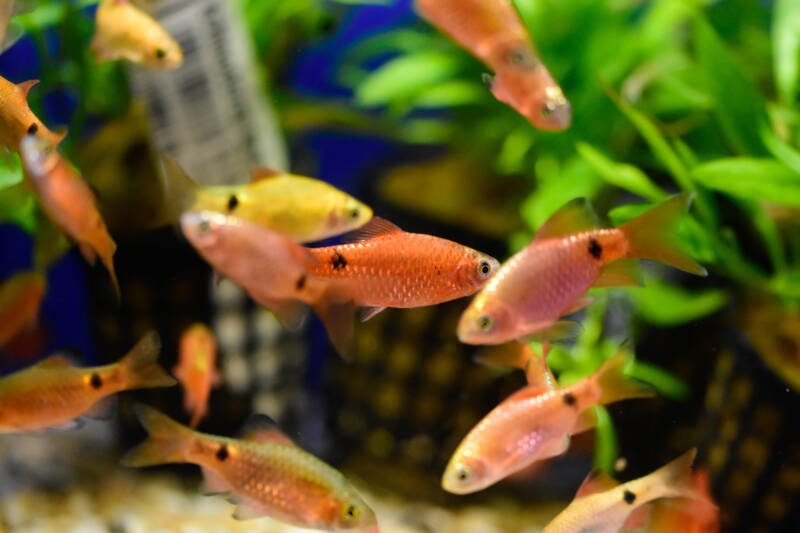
(603,506)
(303,209)
(53,394)
(123,31)
(264,473)
(17,119)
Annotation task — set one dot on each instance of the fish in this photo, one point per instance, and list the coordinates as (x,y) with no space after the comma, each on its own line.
(603,506)
(535,423)
(264,473)
(196,370)
(523,357)
(20,299)
(384,267)
(10,34)
(492,31)
(16,118)
(568,255)
(68,201)
(123,31)
(302,208)
(54,394)
(687,516)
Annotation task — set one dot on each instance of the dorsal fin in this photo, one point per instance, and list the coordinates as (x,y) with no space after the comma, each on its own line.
(26,86)
(573,217)
(261,428)
(54,361)
(376,227)
(596,481)
(522,356)
(263,173)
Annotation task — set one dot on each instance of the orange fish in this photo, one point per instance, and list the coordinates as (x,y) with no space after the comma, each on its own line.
(17,119)
(687,516)
(604,506)
(535,423)
(264,473)
(387,267)
(126,32)
(68,201)
(20,298)
(492,31)
(570,253)
(196,369)
(53,394)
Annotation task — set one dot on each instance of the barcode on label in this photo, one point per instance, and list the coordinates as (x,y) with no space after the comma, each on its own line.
(211,114)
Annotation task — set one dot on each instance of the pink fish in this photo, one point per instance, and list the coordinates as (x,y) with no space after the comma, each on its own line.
(197,369)
(571,253)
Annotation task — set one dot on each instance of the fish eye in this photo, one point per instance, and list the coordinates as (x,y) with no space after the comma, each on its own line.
(463,473)
(547,110)
(484,268)
(161,53)
(351,511)
(485,323)
(204,226)
(355,213)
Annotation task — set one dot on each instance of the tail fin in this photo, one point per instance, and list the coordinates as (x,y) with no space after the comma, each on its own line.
(675,480)
(615,385)
(178,189)
(140,367)
(652,235)
(166,443)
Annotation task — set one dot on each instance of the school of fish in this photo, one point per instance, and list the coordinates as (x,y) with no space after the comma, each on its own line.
(256,235)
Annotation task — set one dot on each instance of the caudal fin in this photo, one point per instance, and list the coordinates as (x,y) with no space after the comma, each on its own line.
(652,235)
(140,367)
(615,385)
(166,443)
(178,189)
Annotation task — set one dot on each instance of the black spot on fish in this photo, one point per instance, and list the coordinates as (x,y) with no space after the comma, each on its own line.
(629,497)
(569,398)
(301,282)
(595,249)
(33,129)
(96,381)
(161,53)
(233,202)
(351,511)
(222,453)
(338,261)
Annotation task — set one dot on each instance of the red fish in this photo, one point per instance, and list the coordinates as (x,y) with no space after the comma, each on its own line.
(387,267)
(492,31)
(52,394)
(68,201)
(17,119)
(571,253)
(20,298)
(196,370)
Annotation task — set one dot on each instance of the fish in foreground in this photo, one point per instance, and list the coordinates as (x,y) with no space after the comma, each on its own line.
(16,118)
(123,31)
(533,424)
(20,299)
(687,516)
(197,369)
(54,394)
(570,254)
(492,31)
(264,473)
(68,201)
(386,267)
(304,209)
(603,506)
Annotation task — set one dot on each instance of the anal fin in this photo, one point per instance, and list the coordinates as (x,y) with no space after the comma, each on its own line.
(620,273)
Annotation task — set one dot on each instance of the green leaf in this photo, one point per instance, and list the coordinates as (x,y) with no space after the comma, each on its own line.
(621,175)
(665,383)
(665,305)
(606,448)
(786,48)
(405,77)
(364,2)
(752,179)
(10,170)
(18,206)
(740,108)
(451,94)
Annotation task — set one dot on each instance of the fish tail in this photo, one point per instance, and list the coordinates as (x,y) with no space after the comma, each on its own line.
(178,190)
(675,480)
(652,235)
(615,385)
(166,443)
(140,368)
(106,252)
